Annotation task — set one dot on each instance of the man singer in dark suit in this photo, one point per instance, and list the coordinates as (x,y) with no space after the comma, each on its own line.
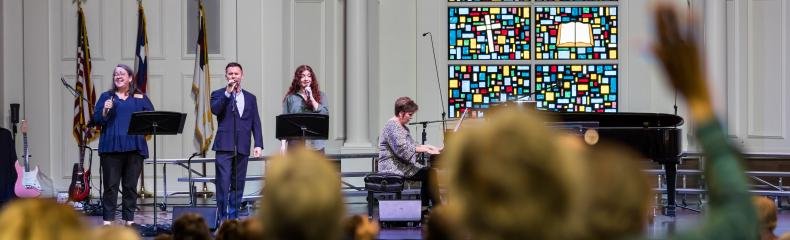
(245,119)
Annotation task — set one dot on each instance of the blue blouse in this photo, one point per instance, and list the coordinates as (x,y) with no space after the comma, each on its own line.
(115,125)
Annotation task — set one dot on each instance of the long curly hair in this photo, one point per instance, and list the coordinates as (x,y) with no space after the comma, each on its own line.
(295,86)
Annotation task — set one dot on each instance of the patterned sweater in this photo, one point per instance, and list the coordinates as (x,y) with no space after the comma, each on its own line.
(397,150)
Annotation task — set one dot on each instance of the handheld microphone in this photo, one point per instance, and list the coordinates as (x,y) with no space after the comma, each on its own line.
(308,92)
(426,33)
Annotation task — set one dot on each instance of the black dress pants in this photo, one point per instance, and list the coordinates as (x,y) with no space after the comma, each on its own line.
(123,169)
(427,176)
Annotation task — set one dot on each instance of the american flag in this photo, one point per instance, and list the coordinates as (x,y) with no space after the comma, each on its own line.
(201,89)
(82,109)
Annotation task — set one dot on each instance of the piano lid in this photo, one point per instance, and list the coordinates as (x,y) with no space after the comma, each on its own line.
(621,119)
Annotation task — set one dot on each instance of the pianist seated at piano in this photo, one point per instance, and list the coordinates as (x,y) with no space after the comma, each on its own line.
(398,151)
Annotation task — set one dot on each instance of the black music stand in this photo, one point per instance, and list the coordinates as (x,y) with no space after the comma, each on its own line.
(156,123)
(302,126)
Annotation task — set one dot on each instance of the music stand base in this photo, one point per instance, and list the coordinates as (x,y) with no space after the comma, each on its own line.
(151,230)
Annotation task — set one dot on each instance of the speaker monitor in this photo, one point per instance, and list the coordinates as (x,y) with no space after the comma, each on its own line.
(400,210)
(208,213)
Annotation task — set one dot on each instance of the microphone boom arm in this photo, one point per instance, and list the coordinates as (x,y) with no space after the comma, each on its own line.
(438,83)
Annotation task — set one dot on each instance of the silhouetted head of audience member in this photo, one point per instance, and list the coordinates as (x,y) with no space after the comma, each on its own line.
(253,228)
(115,233)
(766,214)
(230,229)
(302,198)
(358,227)
(619,205)
(163,236)
(41,218)
(442,224)
(512,179)
(191,226)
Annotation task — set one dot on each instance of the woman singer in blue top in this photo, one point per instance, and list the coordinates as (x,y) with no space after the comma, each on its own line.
(121,154)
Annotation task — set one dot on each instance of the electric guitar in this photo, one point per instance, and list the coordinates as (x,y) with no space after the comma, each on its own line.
(26,185)
(80,179)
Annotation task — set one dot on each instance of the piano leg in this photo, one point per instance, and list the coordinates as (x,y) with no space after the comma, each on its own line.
(671,175)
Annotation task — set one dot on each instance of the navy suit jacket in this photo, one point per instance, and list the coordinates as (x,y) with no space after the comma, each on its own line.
(249,125)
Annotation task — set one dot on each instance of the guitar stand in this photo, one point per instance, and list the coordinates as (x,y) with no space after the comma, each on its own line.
(96,209)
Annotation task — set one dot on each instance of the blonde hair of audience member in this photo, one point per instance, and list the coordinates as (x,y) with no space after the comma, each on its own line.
(191,226)
(40,218)
(115,233)
(512,179)
(358,227)
(302,198)
(766,214)
(619,205)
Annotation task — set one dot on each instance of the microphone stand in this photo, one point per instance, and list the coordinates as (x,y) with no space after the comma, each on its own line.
(235,157)
(438,86)
(424,133)
(192,197)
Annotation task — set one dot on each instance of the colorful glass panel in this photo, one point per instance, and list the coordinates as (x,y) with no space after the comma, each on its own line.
(590,33)
(479,86)
(576,88)
(489,33)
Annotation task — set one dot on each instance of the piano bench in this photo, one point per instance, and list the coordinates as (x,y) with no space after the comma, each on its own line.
(382,183)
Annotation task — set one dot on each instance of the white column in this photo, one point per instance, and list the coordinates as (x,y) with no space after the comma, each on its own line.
(715,21)
(357,138)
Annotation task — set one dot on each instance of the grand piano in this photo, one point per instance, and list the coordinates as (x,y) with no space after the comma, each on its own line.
(657,136)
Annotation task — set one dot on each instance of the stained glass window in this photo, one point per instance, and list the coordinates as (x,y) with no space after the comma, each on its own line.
(479,86)
(589,33)
(565,51)
(576,88)
(487,33)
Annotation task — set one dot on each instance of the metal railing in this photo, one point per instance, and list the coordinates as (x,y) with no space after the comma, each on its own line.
(778,190)
(186,163)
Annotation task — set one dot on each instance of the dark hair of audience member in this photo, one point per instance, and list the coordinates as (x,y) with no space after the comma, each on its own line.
(512,179)
(302,198)
(230,229)
(191,226)
(163,236)
(41,218)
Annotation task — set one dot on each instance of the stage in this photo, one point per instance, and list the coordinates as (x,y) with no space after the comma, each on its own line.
(660,226)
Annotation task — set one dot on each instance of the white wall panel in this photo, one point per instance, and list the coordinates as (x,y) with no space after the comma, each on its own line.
(767,115)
